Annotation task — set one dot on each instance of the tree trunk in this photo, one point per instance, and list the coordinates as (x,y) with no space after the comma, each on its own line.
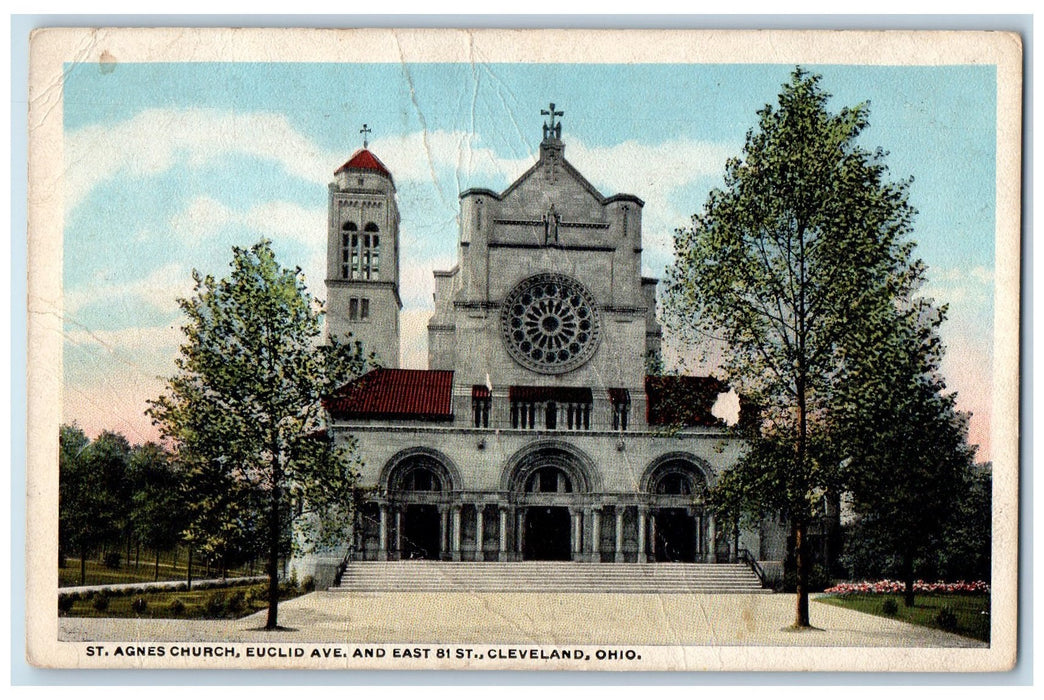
(908,578)
(190,567)
(137,555)
(83,565)
(156,575)
(801,549)
(273,556)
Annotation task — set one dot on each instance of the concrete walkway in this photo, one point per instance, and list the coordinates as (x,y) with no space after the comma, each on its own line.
(516,618)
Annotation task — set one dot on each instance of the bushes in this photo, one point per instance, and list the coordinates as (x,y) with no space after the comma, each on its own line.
(215,605)
(236,603)
(140,606)
(308,584)
(890,607)
(176,607)
(66,602)
(111,560)
(100,601)
(946,619)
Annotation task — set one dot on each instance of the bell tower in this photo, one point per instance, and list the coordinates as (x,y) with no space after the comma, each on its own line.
(362,270)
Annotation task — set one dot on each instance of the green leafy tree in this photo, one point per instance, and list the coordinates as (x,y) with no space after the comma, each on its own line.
(908,462)
(804,243)
(245,408)
(965,551)
(71,511)
(158,504)
(90,493)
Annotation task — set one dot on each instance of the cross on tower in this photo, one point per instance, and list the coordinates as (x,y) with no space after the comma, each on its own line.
(553,130)
(364,131)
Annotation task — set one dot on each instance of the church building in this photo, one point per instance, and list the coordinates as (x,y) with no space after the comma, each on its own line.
(536,431)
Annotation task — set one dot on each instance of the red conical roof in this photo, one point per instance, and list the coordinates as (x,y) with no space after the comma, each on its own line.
(364,160)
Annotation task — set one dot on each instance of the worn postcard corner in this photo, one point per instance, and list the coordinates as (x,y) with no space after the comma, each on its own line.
(547,349)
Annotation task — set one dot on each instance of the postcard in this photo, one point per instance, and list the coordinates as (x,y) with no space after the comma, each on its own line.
(599,350)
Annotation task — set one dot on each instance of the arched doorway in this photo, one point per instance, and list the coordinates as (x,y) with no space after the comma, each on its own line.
(676,489)
(419,485)
(546,526)
(547,484)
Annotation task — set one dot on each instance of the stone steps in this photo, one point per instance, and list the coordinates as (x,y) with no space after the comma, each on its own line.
(572,577)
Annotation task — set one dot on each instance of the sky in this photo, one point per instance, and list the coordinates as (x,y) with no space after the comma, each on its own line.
(170,165)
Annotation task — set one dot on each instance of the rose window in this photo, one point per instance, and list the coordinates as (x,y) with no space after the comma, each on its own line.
(550,324)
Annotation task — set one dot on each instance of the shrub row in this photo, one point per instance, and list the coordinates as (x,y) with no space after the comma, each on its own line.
(887,586)
(215,605)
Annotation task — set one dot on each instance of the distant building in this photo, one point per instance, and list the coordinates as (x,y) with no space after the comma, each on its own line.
(535,432)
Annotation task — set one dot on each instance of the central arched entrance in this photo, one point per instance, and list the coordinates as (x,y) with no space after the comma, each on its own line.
(548,483)
(546,535)
(421,528)
(676,536)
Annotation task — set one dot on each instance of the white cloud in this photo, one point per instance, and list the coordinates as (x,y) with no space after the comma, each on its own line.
(161,339)
(153,141)
(201,219)
(205,217)
(157,289)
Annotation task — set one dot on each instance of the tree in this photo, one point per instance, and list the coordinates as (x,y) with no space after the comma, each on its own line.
(244,409)
(71,443)
(157,506)
(805,243)
(908,463)
(91,497)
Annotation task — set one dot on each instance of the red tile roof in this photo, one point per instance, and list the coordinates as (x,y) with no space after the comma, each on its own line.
(401,394)
(364,160)
(678,400)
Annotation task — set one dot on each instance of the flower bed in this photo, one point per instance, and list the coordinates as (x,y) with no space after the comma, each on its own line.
(887,586)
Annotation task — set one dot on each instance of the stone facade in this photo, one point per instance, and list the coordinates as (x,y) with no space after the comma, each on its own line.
(529,437)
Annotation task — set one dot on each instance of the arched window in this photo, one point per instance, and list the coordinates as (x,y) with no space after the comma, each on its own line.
(421,479)
(675,484)
(349,249)
(549,480)
(678,478)
(360,253)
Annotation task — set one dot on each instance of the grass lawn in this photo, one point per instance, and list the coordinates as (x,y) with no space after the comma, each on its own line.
(99,575)
(209,604)
(972,610)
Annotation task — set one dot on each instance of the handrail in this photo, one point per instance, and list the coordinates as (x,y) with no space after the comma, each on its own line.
(744,555)
(343,566)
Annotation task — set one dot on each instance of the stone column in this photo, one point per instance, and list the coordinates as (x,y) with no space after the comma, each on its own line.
(696,535)
(712,540)
(596,534)
(642,558)
(398,532)
(443,531)
(577,538)
(479,531)
(652,535)
(520,531)
(619,556)
(502,555)
(455,546)
(382,534)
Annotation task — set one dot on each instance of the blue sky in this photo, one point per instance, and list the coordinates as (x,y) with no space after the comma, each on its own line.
(168,165)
